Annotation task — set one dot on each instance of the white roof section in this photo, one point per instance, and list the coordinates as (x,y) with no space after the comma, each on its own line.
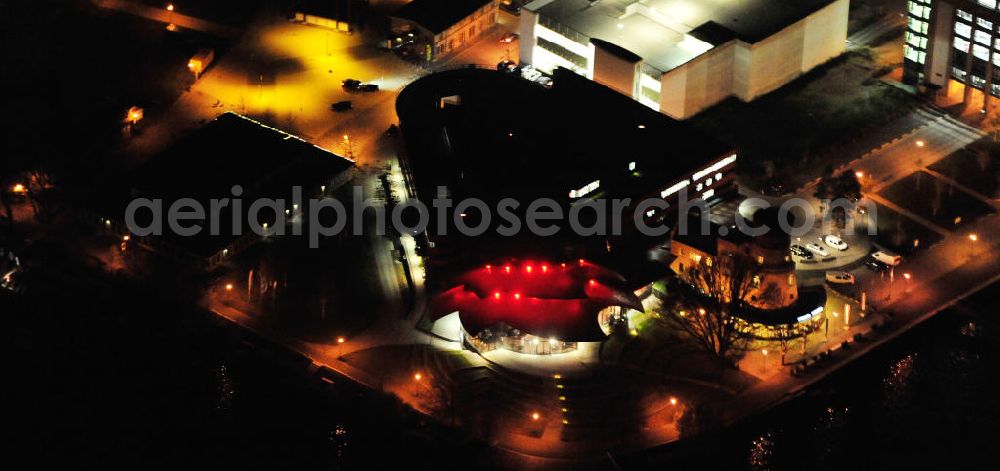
(658,30)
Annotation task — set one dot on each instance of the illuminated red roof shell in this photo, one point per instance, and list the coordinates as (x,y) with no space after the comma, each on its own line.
(560,300)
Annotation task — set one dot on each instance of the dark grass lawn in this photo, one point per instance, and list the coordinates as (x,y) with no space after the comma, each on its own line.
(899,232)
(939,202)
(974,168)
(825,117)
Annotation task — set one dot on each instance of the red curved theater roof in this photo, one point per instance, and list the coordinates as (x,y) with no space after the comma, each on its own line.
(544,299)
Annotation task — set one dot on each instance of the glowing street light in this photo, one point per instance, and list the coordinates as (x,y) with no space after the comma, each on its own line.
(19,189)
(972,247)
(134,115)
(763,359)
(906,276)
(417,376)
(673,401)
(920,143)
(341,340)
(535,416)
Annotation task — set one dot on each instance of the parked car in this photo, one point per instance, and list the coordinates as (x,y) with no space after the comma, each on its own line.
(508,38)
(816,249)
(835,242)
(507,66)
(875,265)
(341,106)
(839,277)
(350,84)
(887,258)
(530,73)
(801,252)
(368,87)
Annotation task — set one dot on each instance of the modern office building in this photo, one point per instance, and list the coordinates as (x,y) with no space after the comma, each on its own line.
(953,45)
(682,56)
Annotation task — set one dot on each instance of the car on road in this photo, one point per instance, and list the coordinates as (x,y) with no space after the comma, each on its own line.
(887,258)
(508,38)
(355,85)
(875,265)
(835,242)
(839,277)
(800,251)
(341,106)
(816,249)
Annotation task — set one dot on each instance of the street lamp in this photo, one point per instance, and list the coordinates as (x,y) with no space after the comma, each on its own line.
(920,143)
(763,360)
(972,247)
(907,277)
(417,376)
(535,416)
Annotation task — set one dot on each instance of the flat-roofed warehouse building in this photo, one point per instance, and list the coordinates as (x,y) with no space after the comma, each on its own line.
(446,25)
(682,56)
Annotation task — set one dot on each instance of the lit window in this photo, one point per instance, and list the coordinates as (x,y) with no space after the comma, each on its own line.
(964,15)
(698,187)
(984,23)
(981,52)
(791,279)
(962,29)
(760,259)
(709,181)
(756,281)
(961,45)
(982,37)
(991,4)
(708,261)
(631,166)
(718,176)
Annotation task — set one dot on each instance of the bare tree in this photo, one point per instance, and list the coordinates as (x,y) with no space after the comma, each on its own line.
(705,301)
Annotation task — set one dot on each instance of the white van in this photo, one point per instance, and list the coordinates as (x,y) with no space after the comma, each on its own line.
(887,258)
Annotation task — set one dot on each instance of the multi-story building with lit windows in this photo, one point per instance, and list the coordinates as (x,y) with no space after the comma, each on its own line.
(950,46)
(682,56)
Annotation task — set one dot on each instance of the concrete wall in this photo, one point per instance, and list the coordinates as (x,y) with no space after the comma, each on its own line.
(526,30)
(702,82)
(796,49)
(616,73)
(939,44)
(748,71)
